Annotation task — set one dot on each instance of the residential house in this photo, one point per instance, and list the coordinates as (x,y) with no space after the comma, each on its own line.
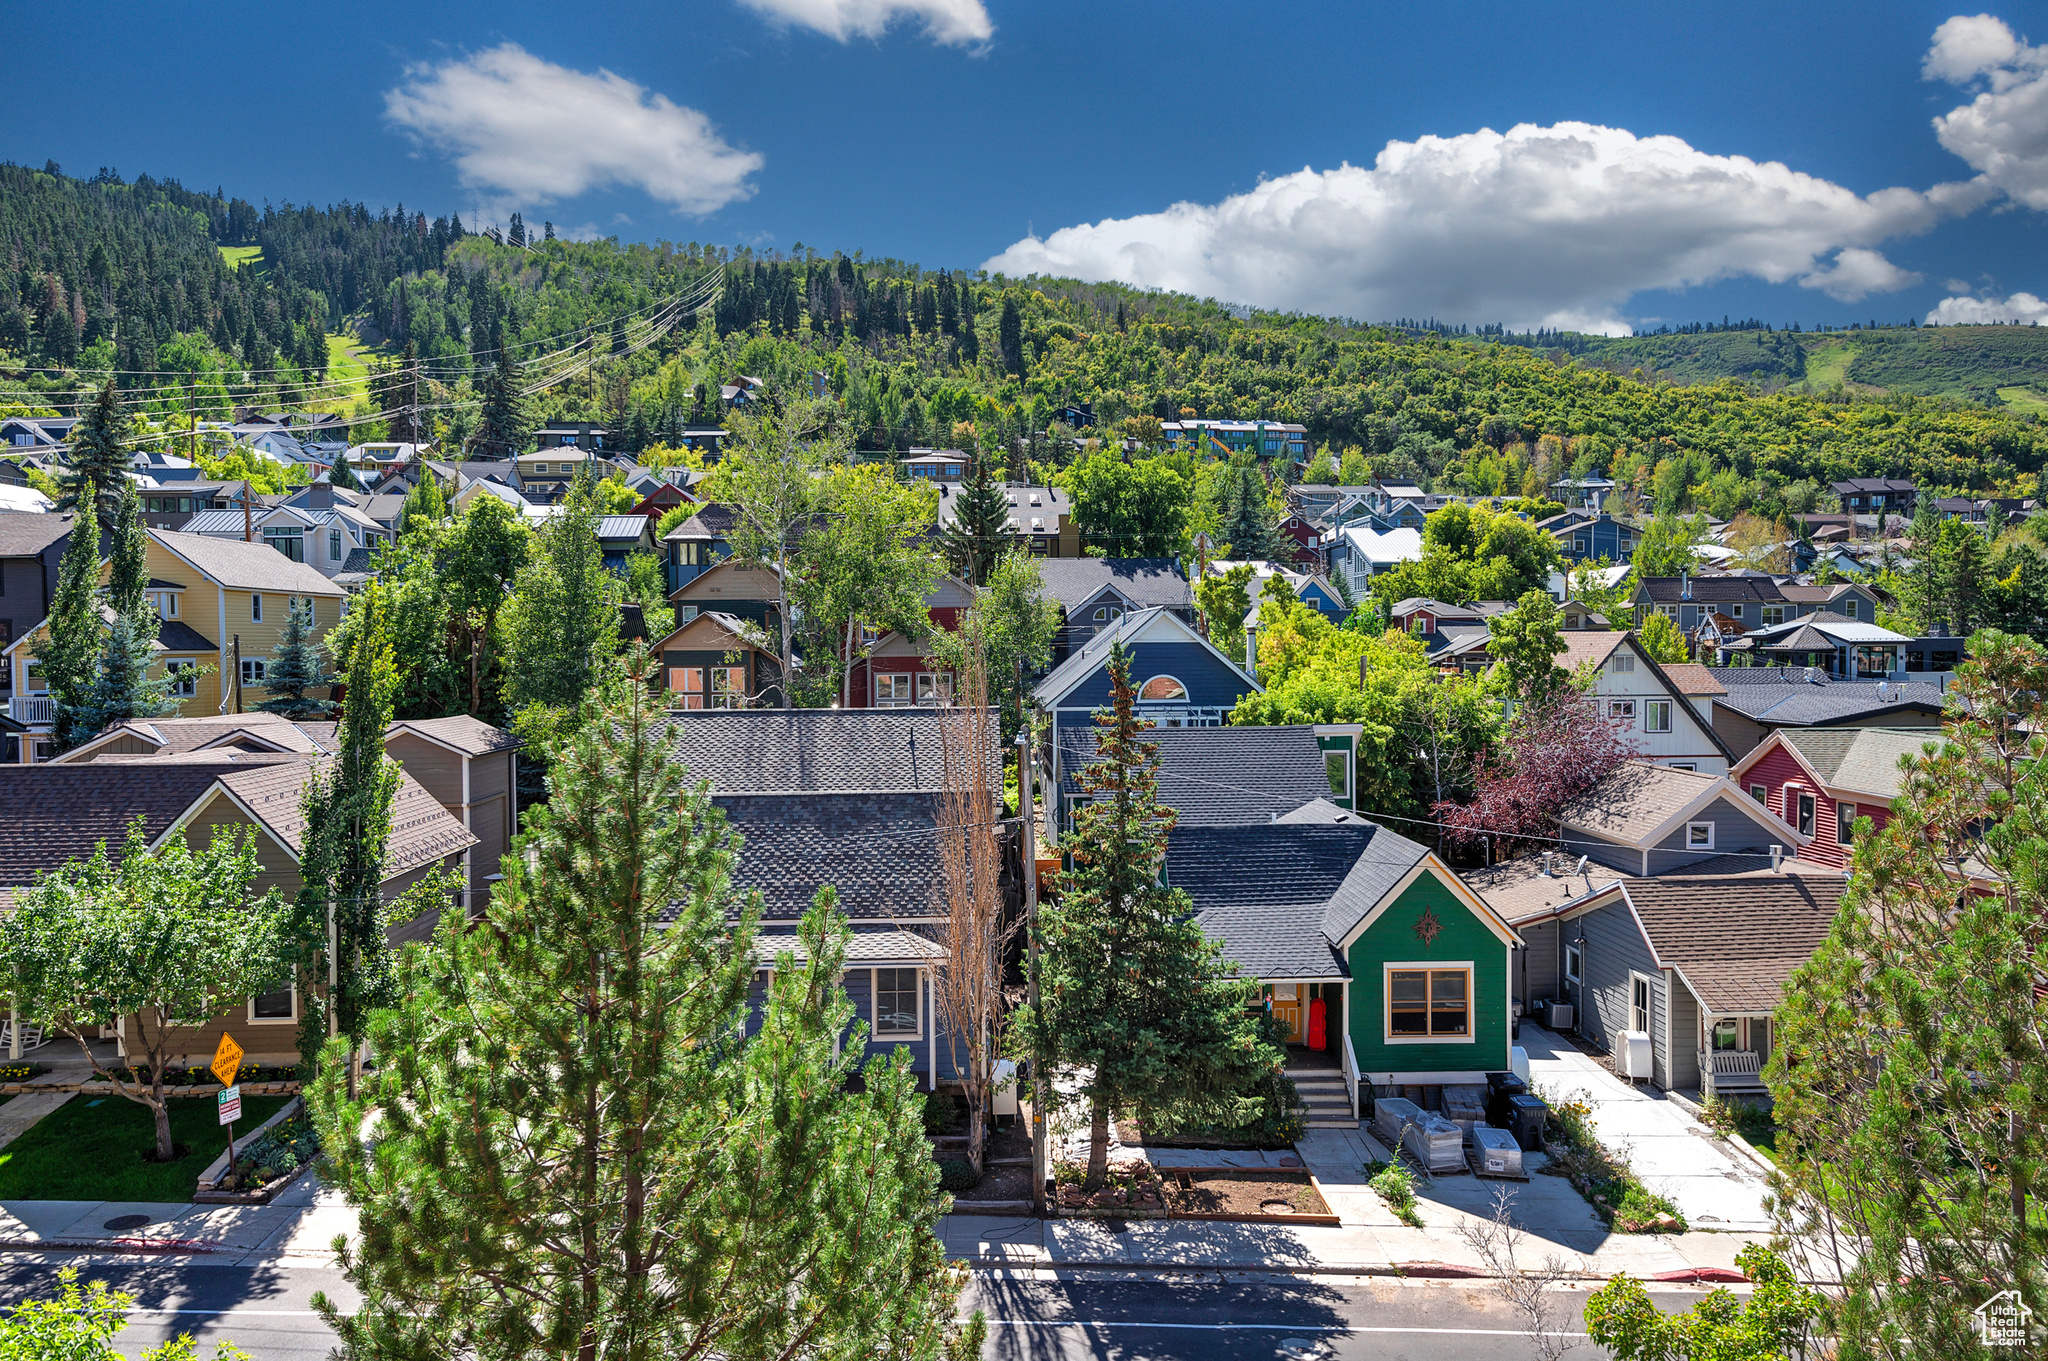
(658,497)
(1824,641)
(1041,518)
(1182,680)
(899,672)
(36,434)
(1094,593)
(1358,553)
(545,475)
(1229,776)
(948,465)
(744,590)
(1752,601)
(1665,713)
(1582,493)
(172,504)
(1584,536)
(471,770)
(572,435)
(700,542)
(1310,588)
(322,537)
(1454,636)
(1268,439)
(382,457)
(1576,616)
(1646,819)
(31,552)
(1317,500)
(849,799)
(1978,510)
(1764,699)
(741,391)
(1879,496)
(1361,936)
(23,499)
(1821,780)
(1695,961)
(621,536)
(62,811)
(385,508)
(1301,542)
(709,663)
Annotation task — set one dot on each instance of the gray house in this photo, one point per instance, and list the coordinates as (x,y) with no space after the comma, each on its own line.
(1649,820)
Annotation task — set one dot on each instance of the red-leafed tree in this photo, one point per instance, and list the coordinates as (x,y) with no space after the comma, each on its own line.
(1555,751)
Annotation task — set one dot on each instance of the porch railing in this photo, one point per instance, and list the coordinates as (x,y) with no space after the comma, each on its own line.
(1351,1073)
(1731,1070)
(32,710)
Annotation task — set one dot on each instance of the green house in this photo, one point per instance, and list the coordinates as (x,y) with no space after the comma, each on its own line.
(1366,941)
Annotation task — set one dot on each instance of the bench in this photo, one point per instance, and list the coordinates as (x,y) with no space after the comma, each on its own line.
(1731,1071)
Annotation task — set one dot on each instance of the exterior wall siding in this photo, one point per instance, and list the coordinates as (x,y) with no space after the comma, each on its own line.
(1685,1034)
(1687,741)
(1734,832)
(1393,939)
(1208,680)
(1612,948)
(1538,964)
(438,769)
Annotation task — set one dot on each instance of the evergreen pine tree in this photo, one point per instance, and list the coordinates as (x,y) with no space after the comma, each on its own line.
(68,651)
(1247,520)
(122,688)
(343,476)
(1139,1009)
(297,664)
(980,532)
(562,624)
(505,423)
(99,457)
(347,807)
(1010,334)
(579,1150)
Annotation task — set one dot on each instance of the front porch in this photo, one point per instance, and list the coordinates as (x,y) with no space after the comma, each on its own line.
(1324,1075)
(1732,1053)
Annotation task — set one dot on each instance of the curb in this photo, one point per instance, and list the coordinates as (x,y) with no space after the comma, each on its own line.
(1703,1275)
(137,1247)
(1424,1271)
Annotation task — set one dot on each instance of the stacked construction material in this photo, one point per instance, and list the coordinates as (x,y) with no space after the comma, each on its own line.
(1390,1116)
(1437,1144)
(1465,1107)
(1495,1152)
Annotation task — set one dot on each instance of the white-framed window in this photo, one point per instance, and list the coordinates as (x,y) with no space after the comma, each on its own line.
(1726,1035)
(934,687)
(256,608)
(1773,614)
(1683,765)
(1656,715)
(1761,795)
(1806,810)
(892,689)
(1735,610)
(289,540)
(275,1008)
(1579,547)
(1622,708)
(1429,1003)
(1621,663)
(253,669)
(1162,689)
(1337,765)
(899,1004)
(1639,1003)
(1699,836)
(1669,612)
(1574,962)
(685,613)
(185,674)
(1845,824)
(1849,607)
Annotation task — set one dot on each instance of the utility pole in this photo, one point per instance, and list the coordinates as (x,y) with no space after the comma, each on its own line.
(1041,1082)
(248,515)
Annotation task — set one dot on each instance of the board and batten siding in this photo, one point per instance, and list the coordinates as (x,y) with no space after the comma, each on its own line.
(1392,939)
(276,867)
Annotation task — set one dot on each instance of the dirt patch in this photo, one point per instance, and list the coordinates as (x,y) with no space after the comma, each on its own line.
(1249,1193)
(1011,1140)
(1000,1183)
(1132,1133)
(1132,1187)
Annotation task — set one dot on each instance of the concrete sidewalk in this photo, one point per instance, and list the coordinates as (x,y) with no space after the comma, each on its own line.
(1713,1184)
(299,1226)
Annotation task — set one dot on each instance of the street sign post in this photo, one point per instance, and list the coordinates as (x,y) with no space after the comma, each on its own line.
(227,1065)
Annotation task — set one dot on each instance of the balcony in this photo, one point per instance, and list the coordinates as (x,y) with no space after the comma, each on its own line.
(34,711)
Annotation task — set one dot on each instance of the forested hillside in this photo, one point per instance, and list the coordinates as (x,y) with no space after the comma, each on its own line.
(130,276)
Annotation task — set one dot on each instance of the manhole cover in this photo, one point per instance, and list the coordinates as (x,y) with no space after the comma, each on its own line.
(119,1222)
(1276,1207)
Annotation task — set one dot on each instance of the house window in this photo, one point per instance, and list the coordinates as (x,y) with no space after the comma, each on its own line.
(281,1005)
(185,674)
(1579,547)
(1806,815)
(334,545)
(1657,715)
(934,687)
(256,608)
(1845,823)
(1761,795)
(1773,615)
(288,540)
(1621,663)
(1669,612)
(1622,708)
(1162,688)
(1683,765)
(1735,611)
(252,670)
(1699,836)
(892,689)
(1101,613)
(1337,765)
(715,687)
(1429,1004)
(1574,962)
(1727,1035)
(1639,1004)
(166,603)
(896,1003)
(1849,607)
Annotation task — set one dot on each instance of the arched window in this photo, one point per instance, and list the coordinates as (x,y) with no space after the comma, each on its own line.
(1162,688)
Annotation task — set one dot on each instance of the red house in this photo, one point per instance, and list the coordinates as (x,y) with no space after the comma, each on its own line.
(1822,779)
(896,673)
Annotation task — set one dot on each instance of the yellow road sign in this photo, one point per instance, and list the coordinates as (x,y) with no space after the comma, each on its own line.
(227,1060)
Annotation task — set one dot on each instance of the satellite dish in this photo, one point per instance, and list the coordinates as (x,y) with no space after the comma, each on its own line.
(1580,868)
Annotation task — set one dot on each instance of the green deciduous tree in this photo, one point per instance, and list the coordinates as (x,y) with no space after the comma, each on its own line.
(122,687)
(1472,553)
(1662,640)
(1015,621)
(298,664)
(578,1149)
(1129,510)
(1773,1324)
(1139,1009)
(170,937)
(1907,1057)
(1524,644)
(563,623)
(1225,598)
(768,478)
(1667,545)
(861,571)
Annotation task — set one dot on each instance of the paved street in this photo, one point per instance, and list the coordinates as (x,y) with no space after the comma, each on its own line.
(266,1310)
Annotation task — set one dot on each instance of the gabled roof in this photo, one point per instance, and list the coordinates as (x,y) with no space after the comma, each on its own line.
(1142,581)
(1220,777)
(1828,626)
(175,735)
(1639,804)
(632,527)
(26,533)
(726,567)
(1082,662)
(1736,948)
(711,520)
(878,851)
(273,794)
(1712,589)
(1781,698)
(460,732)
(1853,760)
(787,751)
(1691,678)
(59,813)
(245,566)
(728,629)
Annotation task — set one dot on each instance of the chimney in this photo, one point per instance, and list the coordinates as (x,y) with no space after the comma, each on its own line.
(1777,858)
(1684,584)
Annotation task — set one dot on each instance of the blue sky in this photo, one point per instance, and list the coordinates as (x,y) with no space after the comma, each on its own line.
(1059,136)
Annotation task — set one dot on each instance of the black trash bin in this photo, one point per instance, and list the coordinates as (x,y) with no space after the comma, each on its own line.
(1526,1115)
(1499,1087)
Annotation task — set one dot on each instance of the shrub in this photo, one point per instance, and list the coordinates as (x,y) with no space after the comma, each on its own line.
(939,1112)
(957,1175)
(1397,1188)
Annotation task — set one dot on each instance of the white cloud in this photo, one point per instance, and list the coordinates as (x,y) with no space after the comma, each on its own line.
(1540,226)
(2021,307)
(533,132)
(2003,132)
(957,23)
(1857,273)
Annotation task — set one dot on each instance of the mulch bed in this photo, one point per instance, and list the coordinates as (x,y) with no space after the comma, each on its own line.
(1000,1183)
(1132,1133)
(1251,1193)
(1011,1139)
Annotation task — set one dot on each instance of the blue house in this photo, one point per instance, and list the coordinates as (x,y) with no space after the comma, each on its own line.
(1584,535)
(698,543)
(1183,681)
(848,798)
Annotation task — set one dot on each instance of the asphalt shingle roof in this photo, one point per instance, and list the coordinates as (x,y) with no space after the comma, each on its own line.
(246,566)
(1785,699)
(814,750)
(1221,777)
(422,831)
(1864,760)
(1711,589)
(25,533)
(57,813)
(1635,800)
(1737,949)
(1144,582)
(880,851)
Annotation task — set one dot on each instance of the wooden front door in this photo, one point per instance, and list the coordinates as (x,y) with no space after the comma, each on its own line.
(1289,1008)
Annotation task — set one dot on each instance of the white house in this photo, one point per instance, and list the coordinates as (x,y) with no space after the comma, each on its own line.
(1358,553)
(1662,711)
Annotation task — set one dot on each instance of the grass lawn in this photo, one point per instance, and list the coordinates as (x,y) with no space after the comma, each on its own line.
(88,1151)
(237,256)
(2026,401)
(1828,363)
(344,368)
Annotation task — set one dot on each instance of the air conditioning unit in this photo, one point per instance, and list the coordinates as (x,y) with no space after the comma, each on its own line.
(1632,1055)
(1560,1017)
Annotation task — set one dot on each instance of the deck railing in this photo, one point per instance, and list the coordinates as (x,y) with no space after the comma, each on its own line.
(33,710)
(1351,1074)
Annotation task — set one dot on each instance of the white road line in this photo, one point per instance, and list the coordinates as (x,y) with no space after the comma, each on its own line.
(230,1313)
(1268,1327)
